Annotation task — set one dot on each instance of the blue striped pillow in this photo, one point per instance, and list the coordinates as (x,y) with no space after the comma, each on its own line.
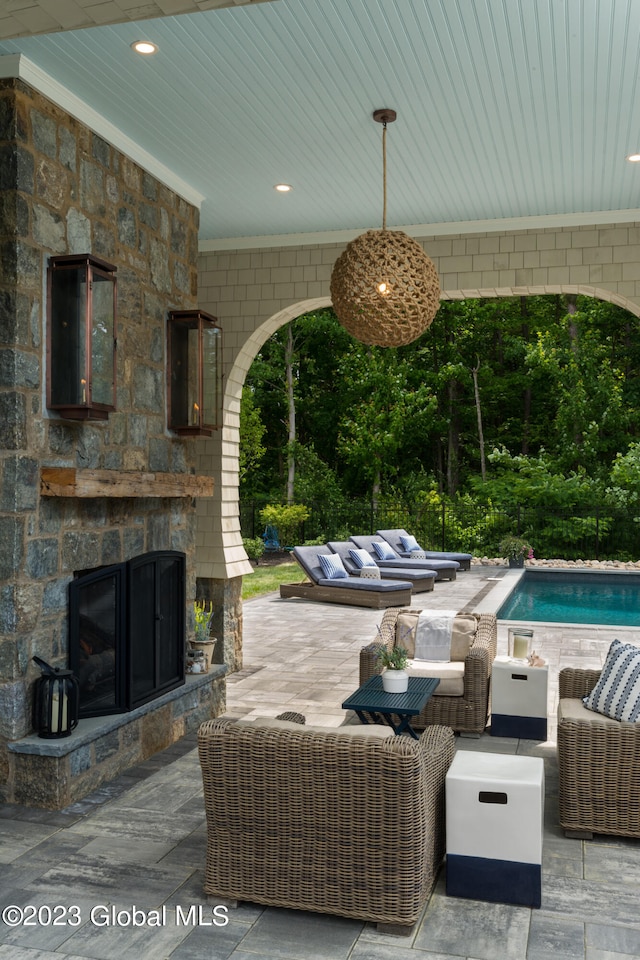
(332,566)
(410,544)
(617,692)
(384,550)
(362,558)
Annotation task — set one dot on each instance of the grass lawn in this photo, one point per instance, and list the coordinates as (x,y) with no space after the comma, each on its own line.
(267,579)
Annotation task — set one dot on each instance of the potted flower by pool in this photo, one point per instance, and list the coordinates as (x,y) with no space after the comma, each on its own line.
(516,550)
(395,678)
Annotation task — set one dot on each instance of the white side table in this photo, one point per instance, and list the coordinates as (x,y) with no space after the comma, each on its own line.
(518,699)
(495,809)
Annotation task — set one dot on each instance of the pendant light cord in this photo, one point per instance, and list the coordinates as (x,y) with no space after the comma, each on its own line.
(384,176)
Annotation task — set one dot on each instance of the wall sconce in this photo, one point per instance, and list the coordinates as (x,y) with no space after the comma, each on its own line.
(81,341)
(195,372)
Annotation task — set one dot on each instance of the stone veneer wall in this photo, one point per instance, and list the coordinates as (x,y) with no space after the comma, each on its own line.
(64,190)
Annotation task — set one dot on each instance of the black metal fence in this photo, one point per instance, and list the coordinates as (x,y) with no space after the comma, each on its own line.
(598,534)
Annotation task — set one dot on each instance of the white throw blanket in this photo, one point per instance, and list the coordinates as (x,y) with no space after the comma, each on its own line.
(433,634)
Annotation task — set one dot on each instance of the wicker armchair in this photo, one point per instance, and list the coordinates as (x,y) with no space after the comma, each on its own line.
(466,714)
(345,820)
(598,764)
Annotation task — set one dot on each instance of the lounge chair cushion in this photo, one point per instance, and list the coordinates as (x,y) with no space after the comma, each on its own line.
(462,635)
(358,583)
(362,558)
(384,550)
(572,708)
(332,566)
(410,543)
(451,676)
(617,692)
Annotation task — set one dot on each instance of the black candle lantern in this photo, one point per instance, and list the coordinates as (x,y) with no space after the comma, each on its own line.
(56,700)
(81,340)
(195,372)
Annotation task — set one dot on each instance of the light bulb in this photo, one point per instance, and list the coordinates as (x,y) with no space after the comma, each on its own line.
(144,46)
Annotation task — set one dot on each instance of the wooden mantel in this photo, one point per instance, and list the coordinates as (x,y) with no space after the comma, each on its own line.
(69,482)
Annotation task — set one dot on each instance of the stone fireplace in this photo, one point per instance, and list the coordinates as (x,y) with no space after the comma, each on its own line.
(77,495)
(127,632)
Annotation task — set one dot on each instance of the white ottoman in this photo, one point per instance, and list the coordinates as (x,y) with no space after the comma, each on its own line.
(518,700)
(495,808)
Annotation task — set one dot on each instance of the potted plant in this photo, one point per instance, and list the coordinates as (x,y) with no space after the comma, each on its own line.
(515,549)
(395,678)
(203,641)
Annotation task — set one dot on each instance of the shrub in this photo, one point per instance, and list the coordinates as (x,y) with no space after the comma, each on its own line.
(254,547)
(287,520)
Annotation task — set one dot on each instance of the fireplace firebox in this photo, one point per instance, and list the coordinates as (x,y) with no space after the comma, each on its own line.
(127,632)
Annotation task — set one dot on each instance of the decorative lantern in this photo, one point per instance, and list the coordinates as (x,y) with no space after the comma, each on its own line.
(195,372)
(56,701)
(81,341)
(384,288)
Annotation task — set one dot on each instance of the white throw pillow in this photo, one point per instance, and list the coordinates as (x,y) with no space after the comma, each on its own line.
(617,692)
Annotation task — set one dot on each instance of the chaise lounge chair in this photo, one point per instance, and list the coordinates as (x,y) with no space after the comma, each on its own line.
(394,537)
(421,580)
(377,594)
(444,569)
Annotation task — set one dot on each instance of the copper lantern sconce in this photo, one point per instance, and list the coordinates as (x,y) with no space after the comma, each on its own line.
(195,372)
(81,340)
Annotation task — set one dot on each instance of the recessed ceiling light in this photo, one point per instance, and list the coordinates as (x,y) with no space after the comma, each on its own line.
(283,187)
(145,47)
(634,158)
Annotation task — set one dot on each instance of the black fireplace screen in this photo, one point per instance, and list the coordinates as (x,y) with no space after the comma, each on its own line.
(127,632)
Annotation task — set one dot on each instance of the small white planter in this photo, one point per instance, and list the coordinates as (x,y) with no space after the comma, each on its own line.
(395,681)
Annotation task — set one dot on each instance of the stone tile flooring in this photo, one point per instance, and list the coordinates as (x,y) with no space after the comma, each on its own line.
(140,841)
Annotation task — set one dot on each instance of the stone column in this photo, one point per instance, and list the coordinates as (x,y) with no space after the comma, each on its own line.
(226,625)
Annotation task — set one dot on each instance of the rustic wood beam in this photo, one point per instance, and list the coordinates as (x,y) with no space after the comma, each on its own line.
(70,482)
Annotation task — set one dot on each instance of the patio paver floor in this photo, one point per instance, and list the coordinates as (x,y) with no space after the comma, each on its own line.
(140,840)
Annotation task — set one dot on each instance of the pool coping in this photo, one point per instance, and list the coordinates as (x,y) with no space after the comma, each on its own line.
(503,588)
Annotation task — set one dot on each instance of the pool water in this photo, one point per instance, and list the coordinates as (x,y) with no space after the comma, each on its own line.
(575,597)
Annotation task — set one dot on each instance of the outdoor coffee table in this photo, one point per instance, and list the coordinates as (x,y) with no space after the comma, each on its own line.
(370,700)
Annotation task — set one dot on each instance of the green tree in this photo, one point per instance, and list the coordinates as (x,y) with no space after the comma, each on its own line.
(386,411)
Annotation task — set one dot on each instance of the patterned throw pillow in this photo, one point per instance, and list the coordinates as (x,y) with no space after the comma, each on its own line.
(410,544)
(332,566)
(617,692)
(362,558)
(384,550)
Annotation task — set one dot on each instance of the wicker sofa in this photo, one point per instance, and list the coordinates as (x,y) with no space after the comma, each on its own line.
(465,711)
(598,764)
(346,820)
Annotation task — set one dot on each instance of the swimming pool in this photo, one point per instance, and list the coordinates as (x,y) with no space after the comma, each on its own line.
(568,596)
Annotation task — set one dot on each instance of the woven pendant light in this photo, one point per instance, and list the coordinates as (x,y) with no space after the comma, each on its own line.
(384,288)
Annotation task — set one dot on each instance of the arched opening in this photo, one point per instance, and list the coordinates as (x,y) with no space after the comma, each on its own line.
(221,557)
